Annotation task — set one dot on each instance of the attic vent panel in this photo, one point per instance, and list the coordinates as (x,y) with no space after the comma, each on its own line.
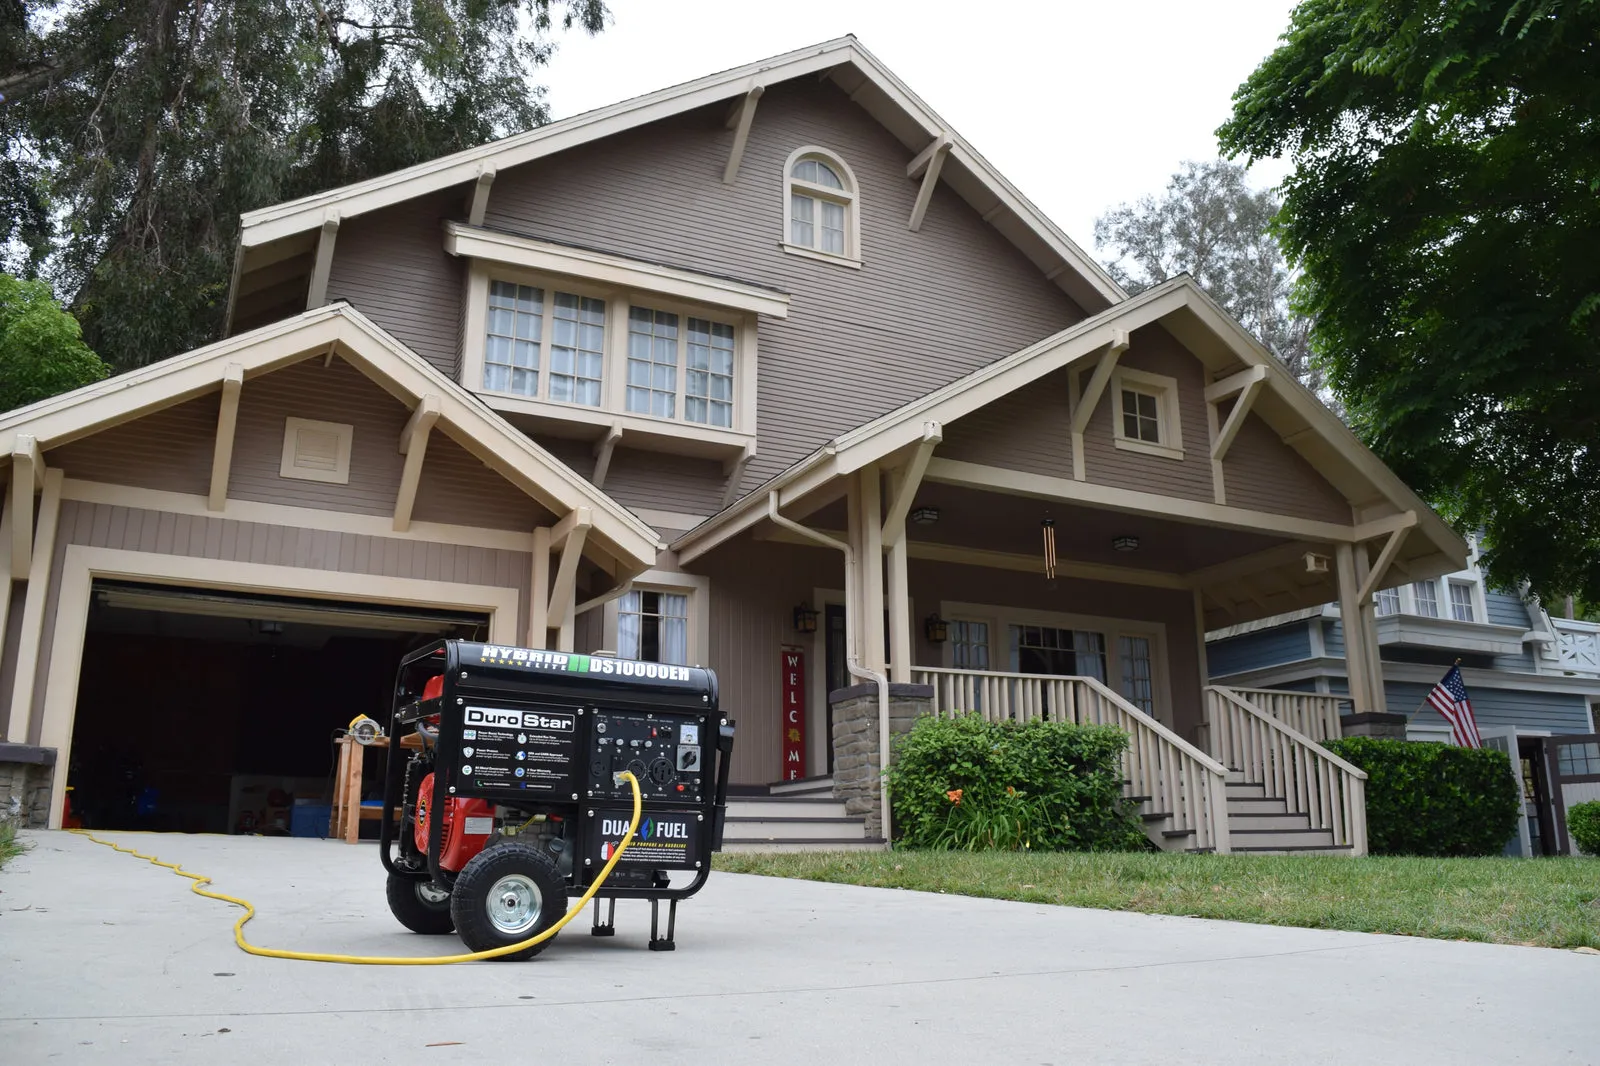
(316,451)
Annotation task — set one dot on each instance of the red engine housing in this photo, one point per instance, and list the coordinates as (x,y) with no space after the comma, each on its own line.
(459,845)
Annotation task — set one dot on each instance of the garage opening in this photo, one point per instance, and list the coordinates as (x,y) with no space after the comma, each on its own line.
(213,712)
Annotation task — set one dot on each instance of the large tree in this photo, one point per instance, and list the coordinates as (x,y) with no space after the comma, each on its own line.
(1211,224)
(41,347)
(1444,209)
(137,131)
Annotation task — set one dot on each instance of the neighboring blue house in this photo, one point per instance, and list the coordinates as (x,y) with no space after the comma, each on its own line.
(1529,676)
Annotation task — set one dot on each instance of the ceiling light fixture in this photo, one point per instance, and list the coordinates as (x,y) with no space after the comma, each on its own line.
(925,516)
(1125,543)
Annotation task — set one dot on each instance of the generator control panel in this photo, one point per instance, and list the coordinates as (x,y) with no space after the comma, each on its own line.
(665,751)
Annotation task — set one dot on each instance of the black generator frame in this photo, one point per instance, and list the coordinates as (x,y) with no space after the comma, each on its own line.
(552,687)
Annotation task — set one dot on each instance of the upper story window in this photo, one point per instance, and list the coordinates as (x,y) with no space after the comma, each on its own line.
(1146,417)
(598,346)
(1387,601)
(1461,606)
(1426,594)
(821,208)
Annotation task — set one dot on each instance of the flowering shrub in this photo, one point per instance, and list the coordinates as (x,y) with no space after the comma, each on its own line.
(970,785)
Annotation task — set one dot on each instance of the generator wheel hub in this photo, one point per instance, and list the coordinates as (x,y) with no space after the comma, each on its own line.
(514,904)
(429,892)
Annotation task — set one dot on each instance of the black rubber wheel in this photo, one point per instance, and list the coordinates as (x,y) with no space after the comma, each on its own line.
(505,895)
(419,905)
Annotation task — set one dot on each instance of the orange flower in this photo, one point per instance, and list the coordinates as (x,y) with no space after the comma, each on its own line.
(955,796)
(1011,790)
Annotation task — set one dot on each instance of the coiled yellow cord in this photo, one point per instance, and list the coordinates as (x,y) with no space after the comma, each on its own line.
(387,960)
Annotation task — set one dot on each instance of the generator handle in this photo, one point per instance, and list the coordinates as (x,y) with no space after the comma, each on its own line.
(719,812)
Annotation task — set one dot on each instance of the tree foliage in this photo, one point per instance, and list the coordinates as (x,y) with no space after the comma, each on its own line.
(1444,209)
(41,347)
(1211,224)
(137,131)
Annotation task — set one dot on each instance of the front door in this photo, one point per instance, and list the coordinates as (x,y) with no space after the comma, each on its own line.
(834,666)
(1536,796)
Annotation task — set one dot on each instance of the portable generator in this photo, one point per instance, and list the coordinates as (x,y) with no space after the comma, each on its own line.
(511,801)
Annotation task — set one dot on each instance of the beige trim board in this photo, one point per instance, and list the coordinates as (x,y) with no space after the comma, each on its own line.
(669,519)
(84,564)
(867,81)
(281,514)
(607,269)
(1039,486)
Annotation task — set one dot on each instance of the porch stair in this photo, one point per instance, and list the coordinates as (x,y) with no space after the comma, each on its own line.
(793,816)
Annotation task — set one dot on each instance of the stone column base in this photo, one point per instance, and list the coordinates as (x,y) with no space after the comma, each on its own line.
(25,773)
(856,774)
(1374,724)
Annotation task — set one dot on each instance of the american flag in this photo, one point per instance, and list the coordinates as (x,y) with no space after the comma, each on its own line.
(1449,698)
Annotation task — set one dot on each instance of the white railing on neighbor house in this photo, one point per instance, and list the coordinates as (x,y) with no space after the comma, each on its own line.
(1175,777)
(1290,766)
(1577,645)
(1311,713)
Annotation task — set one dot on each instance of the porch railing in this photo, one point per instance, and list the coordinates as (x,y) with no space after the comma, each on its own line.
(1173,776)
(1289,765)
(1312,713)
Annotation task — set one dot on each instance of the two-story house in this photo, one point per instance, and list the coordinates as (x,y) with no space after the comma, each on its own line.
(1533,680)
(770,371)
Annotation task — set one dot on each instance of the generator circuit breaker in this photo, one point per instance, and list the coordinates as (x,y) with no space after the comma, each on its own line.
(502,795)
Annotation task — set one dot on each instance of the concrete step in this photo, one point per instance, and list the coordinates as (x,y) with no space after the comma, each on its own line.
(818,844)
(785,807)
(1278,839)
(1270,820)
(804,786)
(841,829)
(1243,791)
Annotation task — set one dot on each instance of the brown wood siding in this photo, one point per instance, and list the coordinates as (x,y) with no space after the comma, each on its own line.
(1028,430)
(165,533)
(932,583)
(391,266)
(168,450)
(652,480)
(334,393)
(458,489)
(754,588)
(926,307)
(1265,474)
(1156,351)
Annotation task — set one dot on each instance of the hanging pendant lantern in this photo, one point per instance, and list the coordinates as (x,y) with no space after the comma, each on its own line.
(1048,524)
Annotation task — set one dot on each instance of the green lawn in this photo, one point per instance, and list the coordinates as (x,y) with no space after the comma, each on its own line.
(1545,902)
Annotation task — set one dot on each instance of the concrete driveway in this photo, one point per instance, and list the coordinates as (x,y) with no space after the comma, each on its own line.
(107,959)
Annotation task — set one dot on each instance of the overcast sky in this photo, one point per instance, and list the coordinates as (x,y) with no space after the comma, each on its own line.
(1082,105)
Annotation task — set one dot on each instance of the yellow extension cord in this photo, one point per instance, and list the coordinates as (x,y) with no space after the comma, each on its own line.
(387,960)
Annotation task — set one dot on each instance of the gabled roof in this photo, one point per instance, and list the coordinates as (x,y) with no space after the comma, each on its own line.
(1206,330)
(340,329)
(869,83)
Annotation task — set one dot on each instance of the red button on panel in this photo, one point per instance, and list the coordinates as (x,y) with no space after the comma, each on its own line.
(680,788)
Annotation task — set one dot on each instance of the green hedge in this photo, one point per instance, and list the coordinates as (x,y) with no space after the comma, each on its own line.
(1583,826)
(1434,799)
(971,785)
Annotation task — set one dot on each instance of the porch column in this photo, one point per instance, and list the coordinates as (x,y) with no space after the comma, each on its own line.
(873,654)
(32,633)
(1376,698)
(1355,644)
(899,586)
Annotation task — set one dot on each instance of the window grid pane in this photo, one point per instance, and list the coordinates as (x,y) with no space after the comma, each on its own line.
(832,228)
(1138,684)
(708,387)
(1579,760)
(1427,596)
(802,211)
(818,173)
(1388,601)
(511,347)
(652,362)
(654,626)
(1141,419)
(969,642)
(577,349)
(1461,602)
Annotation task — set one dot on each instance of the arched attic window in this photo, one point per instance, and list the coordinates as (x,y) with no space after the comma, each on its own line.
(820,193)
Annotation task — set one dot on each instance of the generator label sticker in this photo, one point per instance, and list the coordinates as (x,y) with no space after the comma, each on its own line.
(664,841)
(531,659)
(519,749)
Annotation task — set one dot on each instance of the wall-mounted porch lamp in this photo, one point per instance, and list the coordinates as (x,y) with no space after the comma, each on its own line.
(936,629)
(805,618)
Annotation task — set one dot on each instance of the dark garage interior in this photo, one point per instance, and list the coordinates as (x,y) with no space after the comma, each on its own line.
(211,712)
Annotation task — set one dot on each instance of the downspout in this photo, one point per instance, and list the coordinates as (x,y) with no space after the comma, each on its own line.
(851,664)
